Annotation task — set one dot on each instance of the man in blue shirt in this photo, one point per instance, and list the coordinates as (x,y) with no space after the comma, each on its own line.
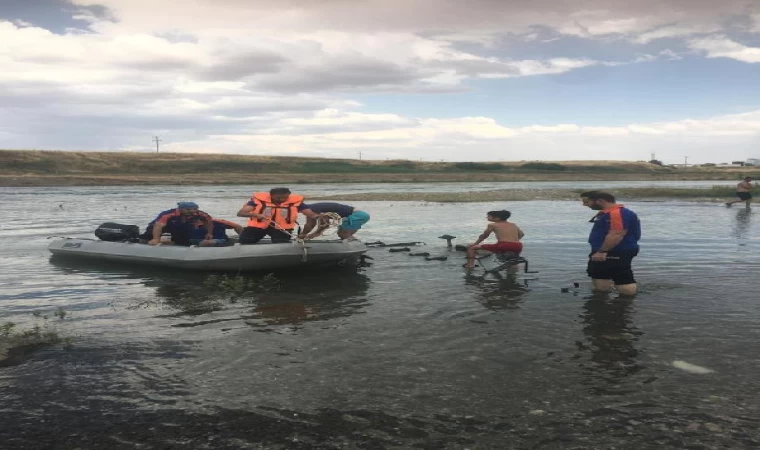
(614,240)
(353,219)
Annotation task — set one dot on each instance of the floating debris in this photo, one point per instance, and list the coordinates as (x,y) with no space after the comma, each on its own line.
(436,258)
(419,254)
(396,250)
(691,368)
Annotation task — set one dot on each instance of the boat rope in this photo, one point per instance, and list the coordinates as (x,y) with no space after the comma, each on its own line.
(325,222)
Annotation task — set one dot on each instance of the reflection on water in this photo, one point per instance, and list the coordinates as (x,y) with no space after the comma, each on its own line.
(258,300)
(741,225)
(610,338)
(502,290)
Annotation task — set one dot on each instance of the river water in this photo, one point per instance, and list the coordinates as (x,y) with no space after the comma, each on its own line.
(405,353)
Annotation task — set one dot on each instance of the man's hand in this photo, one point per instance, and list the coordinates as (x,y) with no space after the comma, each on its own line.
(154,242)
(599,256)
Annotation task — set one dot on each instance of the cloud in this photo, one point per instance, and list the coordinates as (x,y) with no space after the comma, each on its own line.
(332,132)
(252,75)
(723,47)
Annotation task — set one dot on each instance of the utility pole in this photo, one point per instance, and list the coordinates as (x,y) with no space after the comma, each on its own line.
(156,140)
(360,155)
(685,161)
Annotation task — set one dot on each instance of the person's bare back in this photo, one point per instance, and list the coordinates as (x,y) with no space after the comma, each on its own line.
(506,231)
(744,186)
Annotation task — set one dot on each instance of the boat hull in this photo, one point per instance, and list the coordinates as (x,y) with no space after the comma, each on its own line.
(240,258)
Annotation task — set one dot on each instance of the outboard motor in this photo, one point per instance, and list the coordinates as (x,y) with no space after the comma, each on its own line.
(116,232)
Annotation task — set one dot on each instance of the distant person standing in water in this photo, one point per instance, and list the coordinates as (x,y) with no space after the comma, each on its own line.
(508,237)
(614,240)
(743,192)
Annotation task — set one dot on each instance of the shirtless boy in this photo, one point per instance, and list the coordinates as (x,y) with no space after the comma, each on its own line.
(508,236)
(743,192)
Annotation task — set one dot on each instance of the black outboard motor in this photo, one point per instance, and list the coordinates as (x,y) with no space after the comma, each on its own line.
(116,232)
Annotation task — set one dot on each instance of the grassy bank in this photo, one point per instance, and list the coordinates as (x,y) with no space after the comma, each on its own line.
(59,168)
(17,343)
(711,194)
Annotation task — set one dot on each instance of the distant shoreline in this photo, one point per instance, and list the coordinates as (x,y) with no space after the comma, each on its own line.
(194,179)
(36,168)
(714,194)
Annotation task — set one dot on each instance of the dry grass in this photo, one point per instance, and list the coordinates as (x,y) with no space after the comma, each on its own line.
(715,193)
(59,168)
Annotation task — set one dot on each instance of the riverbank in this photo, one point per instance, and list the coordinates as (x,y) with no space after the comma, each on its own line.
(60,168)
(709,194)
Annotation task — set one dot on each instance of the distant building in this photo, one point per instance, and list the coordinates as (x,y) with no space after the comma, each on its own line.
(752,162)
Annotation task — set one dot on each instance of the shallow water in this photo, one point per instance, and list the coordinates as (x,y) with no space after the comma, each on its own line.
(405,353)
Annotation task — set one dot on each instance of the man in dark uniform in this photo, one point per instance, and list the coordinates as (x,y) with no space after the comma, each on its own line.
(614,240)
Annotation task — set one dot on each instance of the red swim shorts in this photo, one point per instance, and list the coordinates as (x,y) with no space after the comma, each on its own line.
(503,247)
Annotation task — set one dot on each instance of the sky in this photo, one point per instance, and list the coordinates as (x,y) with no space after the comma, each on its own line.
(433,80)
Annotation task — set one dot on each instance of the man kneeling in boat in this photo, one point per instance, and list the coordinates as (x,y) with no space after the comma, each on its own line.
(180,222)
(270,214)
(220,237)
(352,219)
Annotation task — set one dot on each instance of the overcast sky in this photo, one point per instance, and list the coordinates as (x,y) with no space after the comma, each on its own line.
(427,79)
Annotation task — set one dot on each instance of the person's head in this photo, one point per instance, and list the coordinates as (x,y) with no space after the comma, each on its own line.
(585,198)
(187,208)
(279,195)
(747,179)
(498,216)
(597,200)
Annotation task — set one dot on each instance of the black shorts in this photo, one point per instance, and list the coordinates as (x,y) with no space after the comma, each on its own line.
(252,235)
(617,267)
(744,195)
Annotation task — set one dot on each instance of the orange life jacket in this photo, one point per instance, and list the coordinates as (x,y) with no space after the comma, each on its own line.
(283,215)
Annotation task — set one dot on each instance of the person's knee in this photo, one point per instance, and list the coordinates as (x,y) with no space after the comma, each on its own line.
(601,285)
(627,289)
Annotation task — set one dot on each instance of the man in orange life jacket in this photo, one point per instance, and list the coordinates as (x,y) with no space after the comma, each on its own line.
(270,214)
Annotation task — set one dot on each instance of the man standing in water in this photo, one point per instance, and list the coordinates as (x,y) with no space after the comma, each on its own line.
(743,192)
(614,243)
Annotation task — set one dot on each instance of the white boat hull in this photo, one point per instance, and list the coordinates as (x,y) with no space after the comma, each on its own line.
(243,258)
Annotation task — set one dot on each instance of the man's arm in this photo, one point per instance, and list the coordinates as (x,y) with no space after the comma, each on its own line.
(613,238)
(209,224)
(483,236)
(158,229)
(311,221)
(520,233)
(247,211)
(310,224)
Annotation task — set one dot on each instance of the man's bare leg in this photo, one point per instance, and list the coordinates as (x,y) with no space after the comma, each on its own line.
(627,289)
(601,285)
(345,234)
(471,257)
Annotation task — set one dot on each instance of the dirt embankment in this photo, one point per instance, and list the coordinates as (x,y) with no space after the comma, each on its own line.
(61,168)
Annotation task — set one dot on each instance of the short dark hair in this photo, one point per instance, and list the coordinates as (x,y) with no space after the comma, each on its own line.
(279,191)
(747,178)
(599,195)
(503,214)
